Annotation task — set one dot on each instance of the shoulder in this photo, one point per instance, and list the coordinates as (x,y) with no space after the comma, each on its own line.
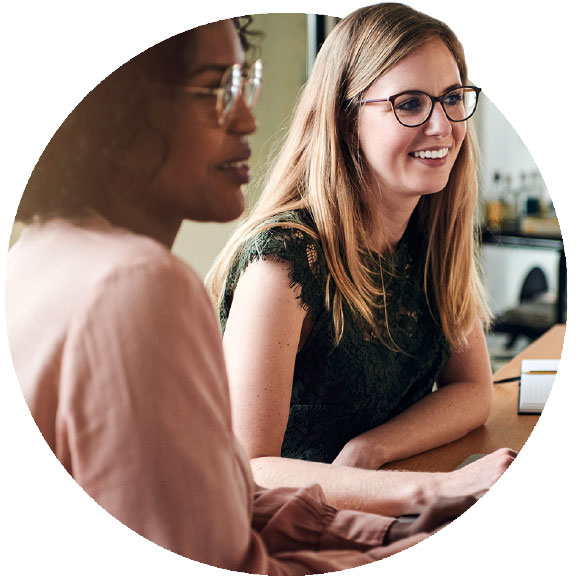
(139,271)
(117,252)
(284,231)
(288,247)
(80,266)
(289,237)
(88,249)
(106,294)
(145,302)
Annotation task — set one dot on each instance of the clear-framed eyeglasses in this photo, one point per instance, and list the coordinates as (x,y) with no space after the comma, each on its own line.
(235,84)
(414,107)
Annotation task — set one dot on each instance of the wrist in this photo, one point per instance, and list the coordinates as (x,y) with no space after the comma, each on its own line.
(357,453)
(426,493)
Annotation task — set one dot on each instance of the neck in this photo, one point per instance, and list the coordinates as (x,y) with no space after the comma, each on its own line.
(138,219)
(389,223)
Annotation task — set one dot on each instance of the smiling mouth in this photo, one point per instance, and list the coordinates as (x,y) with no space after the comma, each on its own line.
(235,165)
(237,171)
(431,154)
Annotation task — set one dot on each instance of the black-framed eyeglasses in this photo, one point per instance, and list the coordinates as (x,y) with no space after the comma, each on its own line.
(236,83)
(414,107)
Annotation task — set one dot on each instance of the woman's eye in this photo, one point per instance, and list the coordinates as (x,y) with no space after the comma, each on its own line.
(454,98)
(409,105)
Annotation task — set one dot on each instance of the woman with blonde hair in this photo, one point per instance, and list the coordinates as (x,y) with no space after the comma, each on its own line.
(351,305)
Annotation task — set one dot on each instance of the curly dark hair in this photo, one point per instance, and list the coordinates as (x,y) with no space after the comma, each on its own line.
(89,146)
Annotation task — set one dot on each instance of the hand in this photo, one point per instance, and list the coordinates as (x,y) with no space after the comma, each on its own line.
(477,477)
(434,517)
(354,455)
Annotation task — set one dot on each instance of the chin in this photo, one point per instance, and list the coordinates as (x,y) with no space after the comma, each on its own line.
(236,209)
(432,187)
(229,210)
(220,204)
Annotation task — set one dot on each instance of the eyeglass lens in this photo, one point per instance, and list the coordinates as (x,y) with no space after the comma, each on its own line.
(414,108)
(236,84)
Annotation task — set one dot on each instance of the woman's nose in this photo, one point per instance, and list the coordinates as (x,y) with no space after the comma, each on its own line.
(241,119)
(438,122)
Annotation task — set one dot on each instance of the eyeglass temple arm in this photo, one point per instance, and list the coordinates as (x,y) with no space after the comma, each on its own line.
(200,90)
(374,100)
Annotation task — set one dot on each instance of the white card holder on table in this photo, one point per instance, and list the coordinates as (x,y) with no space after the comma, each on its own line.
(536,380)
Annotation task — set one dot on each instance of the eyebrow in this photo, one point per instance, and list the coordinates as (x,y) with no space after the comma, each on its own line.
(210,68)
(451,87)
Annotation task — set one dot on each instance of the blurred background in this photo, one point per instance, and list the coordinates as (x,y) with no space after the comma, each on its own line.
(522,255)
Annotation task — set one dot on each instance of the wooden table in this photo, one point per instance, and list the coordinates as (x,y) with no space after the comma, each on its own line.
(504,428)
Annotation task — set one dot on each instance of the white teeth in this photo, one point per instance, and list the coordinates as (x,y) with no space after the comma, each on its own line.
(431,154)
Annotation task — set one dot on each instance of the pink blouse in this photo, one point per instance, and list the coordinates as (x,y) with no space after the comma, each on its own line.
(118,353)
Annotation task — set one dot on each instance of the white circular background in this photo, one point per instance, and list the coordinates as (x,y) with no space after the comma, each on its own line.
(55,52)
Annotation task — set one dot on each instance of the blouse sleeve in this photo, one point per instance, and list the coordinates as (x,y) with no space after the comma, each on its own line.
(144,426)
(294,519)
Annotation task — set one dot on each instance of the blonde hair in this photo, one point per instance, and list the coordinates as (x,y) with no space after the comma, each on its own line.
(321,169)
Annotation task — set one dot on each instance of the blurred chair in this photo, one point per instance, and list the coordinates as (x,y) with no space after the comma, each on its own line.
(535,314)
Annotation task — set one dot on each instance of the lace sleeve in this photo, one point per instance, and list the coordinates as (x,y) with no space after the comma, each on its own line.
(283,243)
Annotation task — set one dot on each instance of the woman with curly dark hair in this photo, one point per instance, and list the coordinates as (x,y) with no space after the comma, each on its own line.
(112,142)
(114,339)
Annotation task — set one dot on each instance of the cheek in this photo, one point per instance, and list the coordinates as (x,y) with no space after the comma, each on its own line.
(188,154)
(384,145)
(397,141)
(191,139)
(460,130)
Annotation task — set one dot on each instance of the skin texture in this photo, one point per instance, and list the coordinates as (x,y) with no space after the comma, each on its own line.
(266,328)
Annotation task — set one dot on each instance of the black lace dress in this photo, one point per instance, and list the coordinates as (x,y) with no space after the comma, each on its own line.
(342,391)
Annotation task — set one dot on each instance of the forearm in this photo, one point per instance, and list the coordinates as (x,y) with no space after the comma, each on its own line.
(442,417)
(388,493)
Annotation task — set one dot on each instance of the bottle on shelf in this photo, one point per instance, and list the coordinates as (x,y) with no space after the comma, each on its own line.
(509,203)
(494,203)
